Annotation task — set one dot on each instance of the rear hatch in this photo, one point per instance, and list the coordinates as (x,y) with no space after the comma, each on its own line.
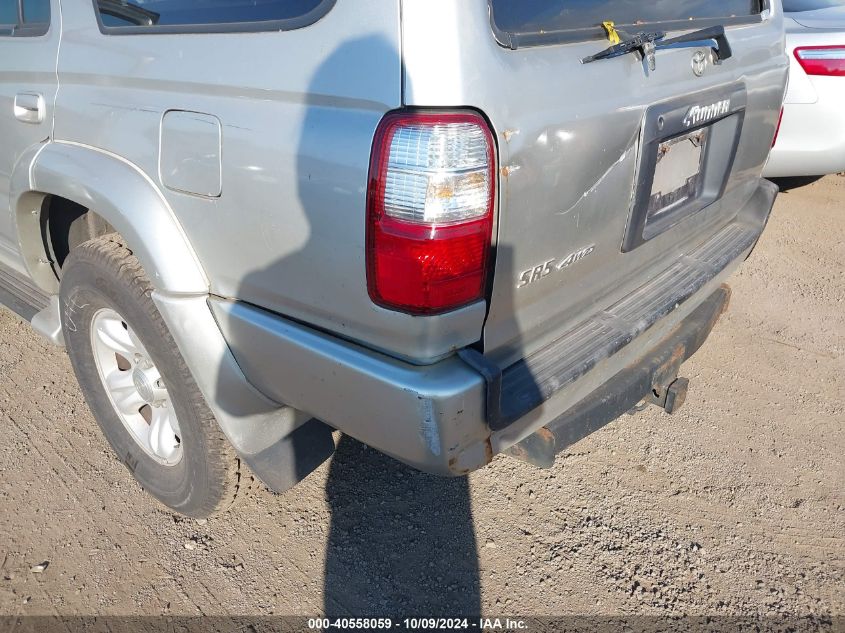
(610,170)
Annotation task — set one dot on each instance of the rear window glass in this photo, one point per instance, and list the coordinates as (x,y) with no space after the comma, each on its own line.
(204,15)
(797,6)
(543,16)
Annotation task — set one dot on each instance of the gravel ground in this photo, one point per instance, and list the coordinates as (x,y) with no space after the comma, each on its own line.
(735,506)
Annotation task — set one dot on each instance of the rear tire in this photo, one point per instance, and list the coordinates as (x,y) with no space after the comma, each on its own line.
(181,456)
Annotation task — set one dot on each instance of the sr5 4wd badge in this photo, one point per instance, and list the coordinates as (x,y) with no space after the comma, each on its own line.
(533,275)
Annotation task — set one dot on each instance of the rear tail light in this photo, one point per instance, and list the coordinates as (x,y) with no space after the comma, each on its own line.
(822,60)
(777,129)
(430,211)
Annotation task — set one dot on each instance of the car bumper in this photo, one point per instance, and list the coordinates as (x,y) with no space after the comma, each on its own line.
(452,417)
(653,378)
(811,141)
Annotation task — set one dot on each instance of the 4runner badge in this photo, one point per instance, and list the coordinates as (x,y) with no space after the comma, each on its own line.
(697,114)
(533,275)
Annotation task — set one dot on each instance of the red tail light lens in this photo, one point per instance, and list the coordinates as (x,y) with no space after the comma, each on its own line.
(822,60)
(430,211)
(777,129)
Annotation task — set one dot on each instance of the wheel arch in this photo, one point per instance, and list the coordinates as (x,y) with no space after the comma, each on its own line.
(117,191)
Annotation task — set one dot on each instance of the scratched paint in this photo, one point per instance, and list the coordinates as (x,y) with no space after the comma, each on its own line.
(428,427)
(599,182)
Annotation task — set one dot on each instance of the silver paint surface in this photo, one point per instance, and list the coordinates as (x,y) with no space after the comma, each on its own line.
(569,134)
(236,167)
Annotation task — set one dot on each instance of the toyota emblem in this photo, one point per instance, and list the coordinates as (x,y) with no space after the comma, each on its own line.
(699,63)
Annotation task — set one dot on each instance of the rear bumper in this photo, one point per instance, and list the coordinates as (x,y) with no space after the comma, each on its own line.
(453,416)
(653,377)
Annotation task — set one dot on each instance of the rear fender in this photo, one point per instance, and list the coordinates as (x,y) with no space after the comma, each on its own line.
(280,444)
(122,195)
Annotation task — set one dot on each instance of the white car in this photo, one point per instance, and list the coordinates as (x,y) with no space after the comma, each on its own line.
(811,140)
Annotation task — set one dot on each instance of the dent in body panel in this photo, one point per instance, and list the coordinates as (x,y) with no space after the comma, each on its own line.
(631,147)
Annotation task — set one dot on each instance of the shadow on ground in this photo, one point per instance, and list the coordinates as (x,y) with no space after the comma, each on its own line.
(401,542)
(796,182)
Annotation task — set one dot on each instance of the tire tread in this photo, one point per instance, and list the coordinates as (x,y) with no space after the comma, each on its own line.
(228,478)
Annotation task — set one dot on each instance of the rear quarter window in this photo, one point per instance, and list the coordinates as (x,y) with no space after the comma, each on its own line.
(36,11)
(197,16)
(535,21)
(8,12)
(22,18)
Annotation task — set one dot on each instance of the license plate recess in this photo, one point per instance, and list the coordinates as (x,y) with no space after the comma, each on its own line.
(688,150)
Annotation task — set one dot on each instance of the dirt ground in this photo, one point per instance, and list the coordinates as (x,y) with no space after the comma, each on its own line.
(736,506)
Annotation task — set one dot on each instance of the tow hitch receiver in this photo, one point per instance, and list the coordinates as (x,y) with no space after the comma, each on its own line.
(651,380)
(667,390)
(671,398)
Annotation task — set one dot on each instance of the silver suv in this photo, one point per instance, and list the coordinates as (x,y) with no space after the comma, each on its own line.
(447,228)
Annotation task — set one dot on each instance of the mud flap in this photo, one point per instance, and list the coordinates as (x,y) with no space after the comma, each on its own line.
(291,459)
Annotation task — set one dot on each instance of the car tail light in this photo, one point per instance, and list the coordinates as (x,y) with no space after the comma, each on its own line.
(822,60)
(430,211)
(777,129)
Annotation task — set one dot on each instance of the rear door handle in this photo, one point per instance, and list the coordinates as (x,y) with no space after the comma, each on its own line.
(30,107)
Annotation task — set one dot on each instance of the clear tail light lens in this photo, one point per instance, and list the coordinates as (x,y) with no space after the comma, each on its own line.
(822,60)
(430,211)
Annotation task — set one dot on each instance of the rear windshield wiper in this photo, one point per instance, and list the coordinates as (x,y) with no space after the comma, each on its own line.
(642,43)
(647,43)
(716,34)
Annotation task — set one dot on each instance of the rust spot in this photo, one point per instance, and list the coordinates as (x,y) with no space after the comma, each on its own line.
(458,471)
(728,297)
(488,457)
(537,449)
(509,134)
(507,170)
(668,371)
(677,357)
(488,450)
